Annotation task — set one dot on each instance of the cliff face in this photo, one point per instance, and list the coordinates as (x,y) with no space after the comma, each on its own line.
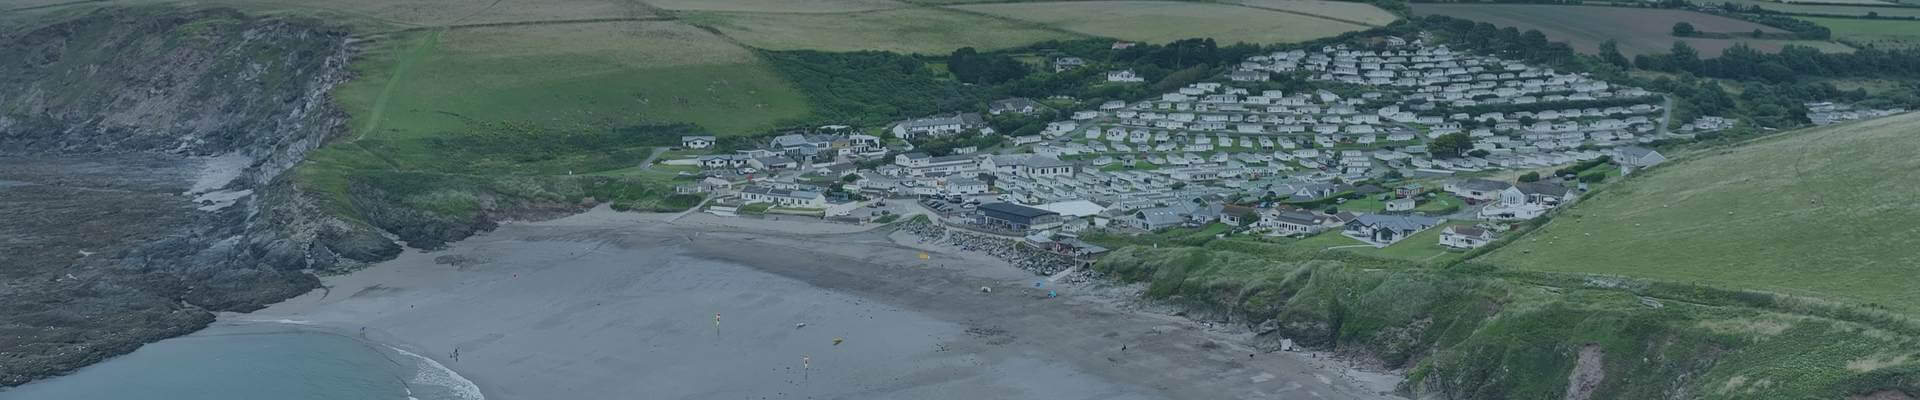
(143,184)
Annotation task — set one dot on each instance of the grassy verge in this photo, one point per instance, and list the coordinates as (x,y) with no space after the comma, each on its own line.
(1468,335)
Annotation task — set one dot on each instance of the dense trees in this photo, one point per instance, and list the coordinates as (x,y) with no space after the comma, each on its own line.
(871,87)
(1683,29)
(1610,53)
(969,66)
(1450,145)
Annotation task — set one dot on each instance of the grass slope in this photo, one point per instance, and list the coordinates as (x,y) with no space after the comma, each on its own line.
(1469,335)
(1879,33)
(1165,21)
(1828,212)
(1639,30)
(1337,10)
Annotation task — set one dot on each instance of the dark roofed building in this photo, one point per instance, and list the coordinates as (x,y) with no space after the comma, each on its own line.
(1478,189)
(1017,217)
(1016,105)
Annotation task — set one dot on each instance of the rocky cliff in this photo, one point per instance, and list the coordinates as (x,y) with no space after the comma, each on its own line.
(143,184)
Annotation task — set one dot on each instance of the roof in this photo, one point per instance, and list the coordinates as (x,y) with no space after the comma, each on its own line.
(686,138)
(1238,210)
(1015,210)
(1484,185)
(1296,217)
(1467,231)
(1397,222)
(1533,188)
(1046,162)
(1163,216)
(1075,208)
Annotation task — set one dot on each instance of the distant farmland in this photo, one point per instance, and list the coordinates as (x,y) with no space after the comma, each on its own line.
(1828,9)
(1166,21)
(1639,30)
(1879,33)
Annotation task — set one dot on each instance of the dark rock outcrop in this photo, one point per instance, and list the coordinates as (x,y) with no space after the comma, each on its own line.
(144,178)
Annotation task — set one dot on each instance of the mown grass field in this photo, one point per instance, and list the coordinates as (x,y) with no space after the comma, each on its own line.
(1879,33)
(912,30)
(788,6)
(1828,212)
(1363,13)
(1164,21)
(1638,30)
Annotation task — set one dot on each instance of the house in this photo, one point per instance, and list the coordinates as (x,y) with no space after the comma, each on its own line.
(1637,157)
(1125,75)
(1383,230)
(1292,223)
(1016,105)
(1017,217)
(1236,215)
(772,163)
(1400,204)
(1248,76)
(1066,63)
(964,186)
(1477,189)
(1158,218)
(696,142)
(937,126)
(1465,237)
(1526,200)
(921,164)
(790,198)
(1039,166)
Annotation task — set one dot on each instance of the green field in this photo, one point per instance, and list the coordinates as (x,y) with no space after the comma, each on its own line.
(911,30)
(1879,33)
(1165,21)
(1828,212)
(1362,13)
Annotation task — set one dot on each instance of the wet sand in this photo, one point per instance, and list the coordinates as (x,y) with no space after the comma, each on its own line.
(610,305)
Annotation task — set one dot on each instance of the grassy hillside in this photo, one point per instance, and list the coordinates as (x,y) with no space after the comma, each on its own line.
(1828,212)
(1481,335)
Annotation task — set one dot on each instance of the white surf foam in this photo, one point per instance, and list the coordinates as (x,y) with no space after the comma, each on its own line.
(432,373)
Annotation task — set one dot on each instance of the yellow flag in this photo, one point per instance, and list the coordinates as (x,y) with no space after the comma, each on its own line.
(924,256)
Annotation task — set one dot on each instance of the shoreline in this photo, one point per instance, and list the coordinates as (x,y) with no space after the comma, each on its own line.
(856,269)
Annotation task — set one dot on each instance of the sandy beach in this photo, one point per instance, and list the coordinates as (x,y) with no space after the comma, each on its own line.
(618,305)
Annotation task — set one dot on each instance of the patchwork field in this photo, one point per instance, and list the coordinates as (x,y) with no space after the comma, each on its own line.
(793,6)
(1828,9)
(604,73)
(1827,212)
(912,30)
(1363,13)
(1639,30)
(1164,21)
(1879,33)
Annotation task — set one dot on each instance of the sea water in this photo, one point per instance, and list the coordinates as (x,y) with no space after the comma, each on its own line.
(258,360)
